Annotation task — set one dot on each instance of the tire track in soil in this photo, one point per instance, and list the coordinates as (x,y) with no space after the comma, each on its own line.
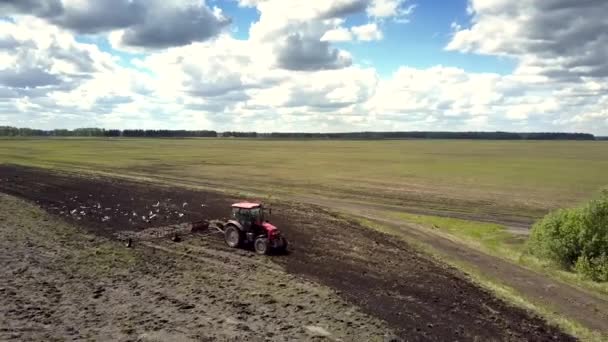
(419,298)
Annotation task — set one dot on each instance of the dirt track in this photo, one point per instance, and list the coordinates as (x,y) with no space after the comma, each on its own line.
(569,301)
(418,298)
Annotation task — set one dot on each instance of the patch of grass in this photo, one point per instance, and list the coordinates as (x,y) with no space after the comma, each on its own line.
(496,240)
(502,291)
(575,279)
(489,237)
(105,258)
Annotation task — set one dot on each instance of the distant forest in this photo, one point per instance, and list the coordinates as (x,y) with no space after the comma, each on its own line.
(7,131)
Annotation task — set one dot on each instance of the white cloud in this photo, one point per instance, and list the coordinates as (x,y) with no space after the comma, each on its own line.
(289,76)
(300,32)
(565,40)
(561,48)
(43,58)
(221,77)
(367,32)
(301,52)
(293,32)
(455,99)
(339,34)
(140,23)
(398,9)
(51,79)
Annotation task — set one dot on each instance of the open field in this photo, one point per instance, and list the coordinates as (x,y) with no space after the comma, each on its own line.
(60,282)
(510,180)
(416,191)
(367,285)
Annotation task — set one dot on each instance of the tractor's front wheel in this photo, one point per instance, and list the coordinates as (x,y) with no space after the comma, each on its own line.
(261,245)
(233,236)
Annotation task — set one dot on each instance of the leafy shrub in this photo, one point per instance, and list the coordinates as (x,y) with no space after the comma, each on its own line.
(575,238)
(595,269)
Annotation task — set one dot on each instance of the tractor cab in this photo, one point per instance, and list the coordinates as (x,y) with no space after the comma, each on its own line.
(249,223)
(249,215)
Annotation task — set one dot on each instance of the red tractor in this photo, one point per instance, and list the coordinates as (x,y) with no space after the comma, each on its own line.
(249,224)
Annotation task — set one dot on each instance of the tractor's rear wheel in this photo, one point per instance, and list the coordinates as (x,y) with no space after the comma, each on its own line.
(261,245)
(233,236)
(283,248)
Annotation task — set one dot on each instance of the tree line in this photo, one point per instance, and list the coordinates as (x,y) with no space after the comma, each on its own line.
(436,135)
(8,131)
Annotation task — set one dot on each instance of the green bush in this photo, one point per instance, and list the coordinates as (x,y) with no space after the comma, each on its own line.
(595,269)
(575,239)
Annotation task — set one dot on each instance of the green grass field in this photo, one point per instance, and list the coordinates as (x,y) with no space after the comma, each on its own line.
(515,174)
(525,178)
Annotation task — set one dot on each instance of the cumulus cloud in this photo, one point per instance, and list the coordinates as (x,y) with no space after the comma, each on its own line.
(456,99)
(140,23)
(41,56)
(215,78)
(367,32)
(98,16)
(300,32)
(301,53)
(175,25)
(342,8)
(26,78)
(324,90)
(47,77)
(398,9)
(560,39)
(211,77)
(199,69)
(311,9)
(443,93)
(223,74)
(339,34)
(289,75)
(8,42)
(294,33)
(561,50)
(43,8)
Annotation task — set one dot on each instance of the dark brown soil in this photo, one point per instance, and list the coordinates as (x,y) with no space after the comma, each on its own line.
(105,205)
(419,298)
(58,282)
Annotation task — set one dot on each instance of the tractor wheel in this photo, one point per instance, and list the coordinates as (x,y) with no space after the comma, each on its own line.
(233,236)
(261,245)
(284,246)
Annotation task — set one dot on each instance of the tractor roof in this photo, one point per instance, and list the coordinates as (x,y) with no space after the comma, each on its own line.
(246,205)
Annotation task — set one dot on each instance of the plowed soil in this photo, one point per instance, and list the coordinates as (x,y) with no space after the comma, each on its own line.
(418,298)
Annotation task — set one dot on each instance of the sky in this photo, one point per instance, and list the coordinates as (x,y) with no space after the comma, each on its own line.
(305,65)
